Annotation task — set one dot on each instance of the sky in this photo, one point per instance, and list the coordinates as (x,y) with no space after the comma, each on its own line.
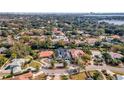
(66,6)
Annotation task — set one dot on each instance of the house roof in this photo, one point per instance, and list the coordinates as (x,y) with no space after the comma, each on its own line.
(2,49)
(96,52)
(115,55)
(17,70)
(63,53)
(115,36)
(56,31)
(17,62)
(46,53)
(76,53)
(25,76)
(91,40)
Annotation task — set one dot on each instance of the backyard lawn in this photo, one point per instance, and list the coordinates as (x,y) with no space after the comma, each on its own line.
(83,76)
(80,76)
(35,64)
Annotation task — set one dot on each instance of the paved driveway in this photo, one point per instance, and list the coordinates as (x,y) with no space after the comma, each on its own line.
(91,67)
(54,71)
(115,69)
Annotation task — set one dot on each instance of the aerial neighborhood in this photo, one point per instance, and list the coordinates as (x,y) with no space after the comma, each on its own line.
(61,47)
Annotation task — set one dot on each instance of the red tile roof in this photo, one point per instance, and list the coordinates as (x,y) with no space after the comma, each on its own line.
(76,53)
(25,76)
(46,53)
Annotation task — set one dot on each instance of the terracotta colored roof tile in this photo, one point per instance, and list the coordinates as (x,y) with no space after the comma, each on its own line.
(25,76)
(46,53)
(76,53)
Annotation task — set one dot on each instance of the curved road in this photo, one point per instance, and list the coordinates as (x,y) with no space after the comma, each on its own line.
(54,71)
(91,67)
(115,69)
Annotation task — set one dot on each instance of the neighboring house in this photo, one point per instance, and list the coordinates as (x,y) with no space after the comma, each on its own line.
(17,62)
(56,38)
(96,53)
(115,36)
(15,66)
(115,55)
(77,42)
(25,76)
(102,37)
(16,70)
(46,54)
(63,54)
(97,57)
(91,41)
(57,32)
(2,50)
(105,43)
(109,39)
(58,35)
(75,53)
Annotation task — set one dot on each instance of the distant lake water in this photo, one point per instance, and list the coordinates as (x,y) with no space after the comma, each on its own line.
(115,22)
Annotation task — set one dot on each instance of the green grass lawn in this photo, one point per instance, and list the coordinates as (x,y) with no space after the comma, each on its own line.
(41,77)
(35,64)
(83,76)
(80,76)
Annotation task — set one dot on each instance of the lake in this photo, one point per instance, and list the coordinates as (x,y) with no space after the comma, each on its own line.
(115,22)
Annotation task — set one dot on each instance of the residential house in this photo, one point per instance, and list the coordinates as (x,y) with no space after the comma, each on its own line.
(115,55)
(97,57)
(75,53)
(63,54)
(108,39)
(58,35)
(96,53)
(2,50)
(57,32)
(25,76)
(15,66)
(56,38)
(91,41)
(46,54)
(115,36)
